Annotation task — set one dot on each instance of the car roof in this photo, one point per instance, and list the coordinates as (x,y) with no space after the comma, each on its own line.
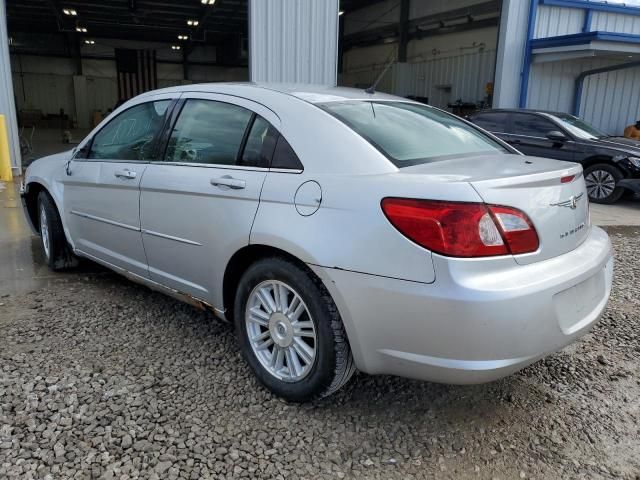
(522,110)
(309,93)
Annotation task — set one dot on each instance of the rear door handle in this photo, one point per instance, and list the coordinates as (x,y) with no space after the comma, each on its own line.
(228,181)
(128,174)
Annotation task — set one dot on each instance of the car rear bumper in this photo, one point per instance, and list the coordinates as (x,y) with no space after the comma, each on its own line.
(480,320)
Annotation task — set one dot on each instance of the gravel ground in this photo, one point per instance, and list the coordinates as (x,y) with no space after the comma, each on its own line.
(101,378)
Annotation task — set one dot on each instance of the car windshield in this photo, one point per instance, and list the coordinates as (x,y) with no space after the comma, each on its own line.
(579,128)
(409,134)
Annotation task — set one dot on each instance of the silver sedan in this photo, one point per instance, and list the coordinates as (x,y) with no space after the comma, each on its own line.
(337,229)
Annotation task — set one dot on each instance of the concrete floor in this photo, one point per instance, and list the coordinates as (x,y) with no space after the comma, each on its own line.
(22,267)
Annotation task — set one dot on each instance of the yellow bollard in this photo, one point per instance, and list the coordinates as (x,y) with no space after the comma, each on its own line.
(5,157)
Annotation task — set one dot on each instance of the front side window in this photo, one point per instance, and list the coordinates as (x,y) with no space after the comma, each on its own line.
(208,132)
(495,122)
(409,134)
(531,125)
(131,135)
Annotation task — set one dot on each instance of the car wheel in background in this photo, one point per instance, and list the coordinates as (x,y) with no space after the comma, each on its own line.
(57,252)
(601,180)
(290,331)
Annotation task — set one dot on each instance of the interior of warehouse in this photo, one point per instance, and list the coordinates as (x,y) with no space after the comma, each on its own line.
(440,52)
(73,61)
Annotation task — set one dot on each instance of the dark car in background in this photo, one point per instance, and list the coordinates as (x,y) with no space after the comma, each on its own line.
(611,164)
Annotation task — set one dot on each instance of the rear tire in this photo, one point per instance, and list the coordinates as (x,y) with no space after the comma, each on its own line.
(57,252)
(282,307)
(601,180)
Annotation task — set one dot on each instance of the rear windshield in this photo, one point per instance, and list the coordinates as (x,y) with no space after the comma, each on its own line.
(410,134)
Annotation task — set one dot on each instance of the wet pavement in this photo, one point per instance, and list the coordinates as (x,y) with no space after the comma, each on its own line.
(22,264)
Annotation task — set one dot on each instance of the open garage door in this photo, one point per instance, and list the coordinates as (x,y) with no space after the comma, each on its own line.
(439,52)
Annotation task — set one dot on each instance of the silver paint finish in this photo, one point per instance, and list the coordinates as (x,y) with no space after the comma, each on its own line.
(458,320)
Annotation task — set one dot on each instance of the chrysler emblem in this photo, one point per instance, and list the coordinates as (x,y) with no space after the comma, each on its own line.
(572,203)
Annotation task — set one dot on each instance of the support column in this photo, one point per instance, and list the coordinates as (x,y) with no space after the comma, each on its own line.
(293,41)
(512,42)
(7,99)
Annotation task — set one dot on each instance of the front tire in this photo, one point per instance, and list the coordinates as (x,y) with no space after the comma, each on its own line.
(290,331)
(57,252)
(601,180)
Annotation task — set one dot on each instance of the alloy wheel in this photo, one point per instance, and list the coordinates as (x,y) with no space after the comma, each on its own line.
(44,232)
(600,184)
(281,331)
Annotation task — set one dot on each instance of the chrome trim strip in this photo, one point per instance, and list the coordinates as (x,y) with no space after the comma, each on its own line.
(171,237)
(285,170)
(213,165)
(104,220)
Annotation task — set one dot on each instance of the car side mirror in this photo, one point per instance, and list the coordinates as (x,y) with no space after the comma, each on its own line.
(557,136)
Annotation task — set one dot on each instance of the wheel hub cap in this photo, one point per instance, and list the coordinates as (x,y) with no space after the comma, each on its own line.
(281,330)
(44,231)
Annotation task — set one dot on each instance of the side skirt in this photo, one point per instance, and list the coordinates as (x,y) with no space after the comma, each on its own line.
(155,286)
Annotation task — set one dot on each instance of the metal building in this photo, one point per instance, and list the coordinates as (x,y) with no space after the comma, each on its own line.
(64,57)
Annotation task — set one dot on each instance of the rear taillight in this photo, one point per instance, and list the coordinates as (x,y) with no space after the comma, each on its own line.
(462,229)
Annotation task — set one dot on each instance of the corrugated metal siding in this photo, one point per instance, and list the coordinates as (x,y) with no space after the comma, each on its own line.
(511,43)
(293,41)
(48,93)
(466,74)
(555,21)
(615,22)
(611,101)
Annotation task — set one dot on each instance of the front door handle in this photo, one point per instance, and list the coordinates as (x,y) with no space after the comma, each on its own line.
(128,174)
(228,181)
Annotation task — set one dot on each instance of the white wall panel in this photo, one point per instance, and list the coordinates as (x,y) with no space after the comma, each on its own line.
(611,101)
(615,22)
(293,41)
(46,92)
(511,44)
(555,21)
(467,75)
(7,104)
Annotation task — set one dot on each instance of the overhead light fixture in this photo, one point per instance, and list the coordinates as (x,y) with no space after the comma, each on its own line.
(341,12)
(81,29)
(183,37)
(90,42)
(207,2)
(69,11)
(175,47)
(193,23)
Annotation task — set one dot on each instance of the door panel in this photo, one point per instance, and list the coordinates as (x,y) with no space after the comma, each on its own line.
(101,202)
(197,207)
(102,191)
(191,227)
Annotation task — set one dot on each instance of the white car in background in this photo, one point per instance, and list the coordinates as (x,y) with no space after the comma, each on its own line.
(338,229)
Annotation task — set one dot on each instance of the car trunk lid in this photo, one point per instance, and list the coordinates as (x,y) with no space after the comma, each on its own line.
(558,208)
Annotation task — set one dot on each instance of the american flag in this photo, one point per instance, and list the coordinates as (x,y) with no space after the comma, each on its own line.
(137,72)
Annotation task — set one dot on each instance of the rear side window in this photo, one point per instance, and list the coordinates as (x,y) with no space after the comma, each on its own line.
(208,132)
(285,157)
(495,122)
(410,134)
(260,144)
(531,125)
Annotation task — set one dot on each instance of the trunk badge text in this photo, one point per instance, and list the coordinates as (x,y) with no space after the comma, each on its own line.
(572,203)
